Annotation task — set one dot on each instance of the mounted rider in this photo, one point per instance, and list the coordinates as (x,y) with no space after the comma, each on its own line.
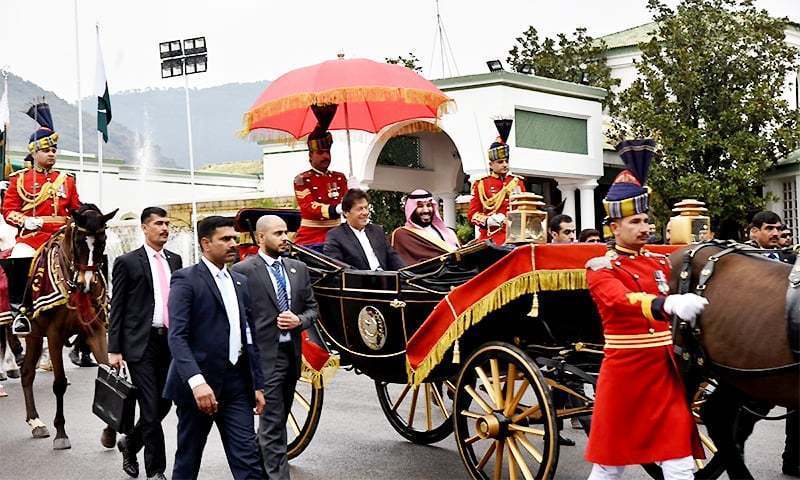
(39,199)
(641,414)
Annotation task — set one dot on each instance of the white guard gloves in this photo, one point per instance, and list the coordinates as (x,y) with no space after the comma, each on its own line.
(496,220)
(33,223)
(686,306)
(4,185)
(339,209)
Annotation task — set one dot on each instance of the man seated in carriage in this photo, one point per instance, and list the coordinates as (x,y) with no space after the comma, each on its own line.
(358,242)
(425,234)
(641,414)
(39,199)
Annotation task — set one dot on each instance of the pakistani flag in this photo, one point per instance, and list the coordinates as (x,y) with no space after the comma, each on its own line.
(5,117)
(103,99)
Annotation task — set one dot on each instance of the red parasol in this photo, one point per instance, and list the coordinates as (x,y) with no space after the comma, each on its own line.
(370,95)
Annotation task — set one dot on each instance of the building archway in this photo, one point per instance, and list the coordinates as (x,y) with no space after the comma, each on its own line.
(432,162)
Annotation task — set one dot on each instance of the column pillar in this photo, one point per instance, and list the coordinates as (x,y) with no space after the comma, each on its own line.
(448,208)
(587,204)
(568,195)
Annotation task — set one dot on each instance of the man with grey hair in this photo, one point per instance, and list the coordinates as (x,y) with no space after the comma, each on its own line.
(281,287)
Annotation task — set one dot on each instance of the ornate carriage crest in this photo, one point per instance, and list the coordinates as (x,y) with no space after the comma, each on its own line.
(372,327)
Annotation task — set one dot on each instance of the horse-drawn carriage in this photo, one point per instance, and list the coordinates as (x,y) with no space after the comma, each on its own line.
(497,344)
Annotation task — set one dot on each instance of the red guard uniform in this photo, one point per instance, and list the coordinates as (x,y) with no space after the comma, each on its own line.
(318,194)
(33,192)
(641,413)
(489,196)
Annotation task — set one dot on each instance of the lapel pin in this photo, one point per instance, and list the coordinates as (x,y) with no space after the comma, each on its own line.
(238,282)
(293,270)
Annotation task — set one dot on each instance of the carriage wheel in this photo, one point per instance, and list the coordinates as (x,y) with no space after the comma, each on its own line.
(505,423)
(421,414)
(712,467)
(304,417)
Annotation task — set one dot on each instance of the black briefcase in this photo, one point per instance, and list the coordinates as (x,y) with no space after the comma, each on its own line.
(114,399)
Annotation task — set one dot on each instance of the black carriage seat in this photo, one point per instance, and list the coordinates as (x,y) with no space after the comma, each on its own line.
(443,273)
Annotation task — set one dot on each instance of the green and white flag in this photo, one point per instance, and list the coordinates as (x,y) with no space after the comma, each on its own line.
(101,89)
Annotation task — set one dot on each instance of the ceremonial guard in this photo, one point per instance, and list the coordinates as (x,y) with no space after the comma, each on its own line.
(641,414)
(319,191)
(39,199)
(490,195)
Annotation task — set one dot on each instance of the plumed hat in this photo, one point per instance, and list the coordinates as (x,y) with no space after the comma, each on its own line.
(320,138)
(499,148)
(628,194)
(45,136)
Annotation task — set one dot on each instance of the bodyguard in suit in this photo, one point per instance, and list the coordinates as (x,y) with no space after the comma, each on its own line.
(215,375)
(357,242)
(281,289)
(137,337)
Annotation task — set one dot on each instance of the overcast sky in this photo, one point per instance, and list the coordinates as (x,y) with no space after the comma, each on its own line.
(251,40)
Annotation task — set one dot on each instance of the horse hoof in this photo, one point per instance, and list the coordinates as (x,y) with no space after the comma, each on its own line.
(108,438)
(61,444)
(40,432)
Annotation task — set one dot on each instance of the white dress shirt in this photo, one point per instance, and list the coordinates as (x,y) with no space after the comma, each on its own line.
(226,289)
(158,295)
(284,336)
(372,259)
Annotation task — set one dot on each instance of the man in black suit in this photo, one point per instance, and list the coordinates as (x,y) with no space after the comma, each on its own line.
(137,337)
(281,288)
(357,242)
(215,375)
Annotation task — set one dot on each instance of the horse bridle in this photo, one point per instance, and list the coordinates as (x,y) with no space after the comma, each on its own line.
(79,267)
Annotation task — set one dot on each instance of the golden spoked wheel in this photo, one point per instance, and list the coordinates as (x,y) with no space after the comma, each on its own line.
(505,423)
(422,414)
(304,417)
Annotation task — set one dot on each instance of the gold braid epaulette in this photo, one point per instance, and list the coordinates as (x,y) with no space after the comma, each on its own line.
(492,204)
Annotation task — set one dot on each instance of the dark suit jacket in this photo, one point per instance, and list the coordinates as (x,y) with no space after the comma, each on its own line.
(265,306)
(132,302)
(199,331)
(341,243)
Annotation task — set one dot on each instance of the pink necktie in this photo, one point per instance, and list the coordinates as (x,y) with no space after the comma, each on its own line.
(163,285)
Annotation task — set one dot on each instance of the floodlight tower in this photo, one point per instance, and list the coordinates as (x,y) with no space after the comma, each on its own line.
(176,62)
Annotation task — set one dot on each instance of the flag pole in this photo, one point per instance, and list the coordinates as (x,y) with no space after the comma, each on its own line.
(100,169)
(78,78)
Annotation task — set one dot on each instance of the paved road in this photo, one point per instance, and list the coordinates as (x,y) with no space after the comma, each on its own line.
(353,441)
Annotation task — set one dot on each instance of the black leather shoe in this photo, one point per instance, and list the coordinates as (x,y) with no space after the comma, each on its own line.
(130,464)
(157,476)
(791,470)
(566,442)
(74,357)
(86,361)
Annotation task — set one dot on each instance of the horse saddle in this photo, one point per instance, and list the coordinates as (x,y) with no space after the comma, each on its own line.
(793,308)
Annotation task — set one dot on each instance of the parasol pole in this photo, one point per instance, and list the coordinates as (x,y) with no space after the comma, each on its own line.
(349,147)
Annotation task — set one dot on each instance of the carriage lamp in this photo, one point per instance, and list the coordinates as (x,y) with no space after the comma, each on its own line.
(526,222)
(690,224)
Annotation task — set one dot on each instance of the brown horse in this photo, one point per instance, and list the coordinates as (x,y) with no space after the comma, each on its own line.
(743,333)
(73,257)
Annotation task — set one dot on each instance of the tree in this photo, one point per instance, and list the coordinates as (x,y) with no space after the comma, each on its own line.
(577,58)
(411,61)
(709,90)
